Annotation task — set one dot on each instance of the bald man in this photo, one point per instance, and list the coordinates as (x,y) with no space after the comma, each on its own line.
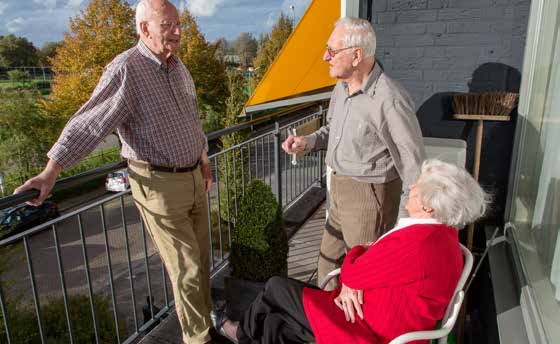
(148,95)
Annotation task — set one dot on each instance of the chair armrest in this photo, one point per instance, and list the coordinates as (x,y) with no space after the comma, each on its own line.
(329,277)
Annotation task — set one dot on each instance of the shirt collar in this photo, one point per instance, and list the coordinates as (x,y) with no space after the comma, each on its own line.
(172,61)
(407,222)
(370,82)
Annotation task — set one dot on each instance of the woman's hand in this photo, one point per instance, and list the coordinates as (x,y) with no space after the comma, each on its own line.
(350,301)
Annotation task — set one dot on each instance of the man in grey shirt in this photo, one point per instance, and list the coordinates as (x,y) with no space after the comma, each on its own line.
(373,141)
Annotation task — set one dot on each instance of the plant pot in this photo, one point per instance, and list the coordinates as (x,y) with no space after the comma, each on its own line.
(239,295)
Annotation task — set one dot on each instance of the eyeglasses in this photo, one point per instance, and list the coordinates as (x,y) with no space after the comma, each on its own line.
(332,53)
(170,25)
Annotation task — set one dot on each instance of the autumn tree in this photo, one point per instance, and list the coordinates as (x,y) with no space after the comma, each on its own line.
(271,45)
(245,46)
(17,52)
(209,74)
(99,33)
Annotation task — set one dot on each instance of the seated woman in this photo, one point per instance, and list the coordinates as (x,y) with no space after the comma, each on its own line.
(403,282)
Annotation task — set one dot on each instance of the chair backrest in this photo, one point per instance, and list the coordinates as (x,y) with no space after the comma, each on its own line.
(451,313)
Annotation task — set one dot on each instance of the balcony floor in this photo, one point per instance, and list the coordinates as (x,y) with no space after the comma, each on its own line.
(302,262)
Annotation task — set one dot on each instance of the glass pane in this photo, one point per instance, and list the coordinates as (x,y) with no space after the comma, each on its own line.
(536,192)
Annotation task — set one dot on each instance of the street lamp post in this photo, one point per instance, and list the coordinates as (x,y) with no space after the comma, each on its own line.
(293,9)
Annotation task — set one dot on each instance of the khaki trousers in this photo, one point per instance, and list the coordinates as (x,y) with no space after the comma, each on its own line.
(359,213)
(174,209)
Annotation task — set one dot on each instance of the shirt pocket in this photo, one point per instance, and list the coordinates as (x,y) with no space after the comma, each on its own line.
(358,138)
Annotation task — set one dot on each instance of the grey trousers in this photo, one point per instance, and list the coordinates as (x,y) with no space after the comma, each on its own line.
(277,316)
(359,213)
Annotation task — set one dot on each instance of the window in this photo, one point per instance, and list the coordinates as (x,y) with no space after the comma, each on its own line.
(535,194)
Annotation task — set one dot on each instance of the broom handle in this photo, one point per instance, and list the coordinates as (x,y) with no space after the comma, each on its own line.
(476,173)
(476,170)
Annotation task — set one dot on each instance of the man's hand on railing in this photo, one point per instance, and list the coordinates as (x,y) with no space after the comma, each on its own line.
(206,170)
(43,182)
(294,144)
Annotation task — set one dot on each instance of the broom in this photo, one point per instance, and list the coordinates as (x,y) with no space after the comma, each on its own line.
(484,106)
(485,103)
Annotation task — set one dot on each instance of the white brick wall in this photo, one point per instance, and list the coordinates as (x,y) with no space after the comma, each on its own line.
(435,45)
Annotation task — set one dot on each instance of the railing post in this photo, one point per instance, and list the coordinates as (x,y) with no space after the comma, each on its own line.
(321,162)
(277,163)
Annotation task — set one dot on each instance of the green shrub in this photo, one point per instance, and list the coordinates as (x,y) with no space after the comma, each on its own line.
(24,328)
(17,75)
(259,248)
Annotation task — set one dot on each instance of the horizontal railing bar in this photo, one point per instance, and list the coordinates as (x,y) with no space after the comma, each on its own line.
(149,323)
(63,184)
(268,133)
(318,114)
(219,133)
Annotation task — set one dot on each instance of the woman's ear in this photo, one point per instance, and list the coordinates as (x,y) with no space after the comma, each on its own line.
(427,210)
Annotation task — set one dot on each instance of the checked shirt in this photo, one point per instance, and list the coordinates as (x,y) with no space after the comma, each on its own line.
(151,104)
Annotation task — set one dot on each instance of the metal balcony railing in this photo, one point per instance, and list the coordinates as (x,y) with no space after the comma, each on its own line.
(88,275)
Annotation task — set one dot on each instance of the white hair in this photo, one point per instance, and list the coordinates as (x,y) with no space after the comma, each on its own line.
(454,195)
(142,14)
(144,9)
(359,33)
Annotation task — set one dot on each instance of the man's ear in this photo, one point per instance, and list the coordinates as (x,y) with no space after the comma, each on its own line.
(358,57)
(144,29)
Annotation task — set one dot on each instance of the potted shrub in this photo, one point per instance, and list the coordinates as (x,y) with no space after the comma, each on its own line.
(259,247)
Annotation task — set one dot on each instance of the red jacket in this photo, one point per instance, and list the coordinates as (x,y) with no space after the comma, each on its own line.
(408,278)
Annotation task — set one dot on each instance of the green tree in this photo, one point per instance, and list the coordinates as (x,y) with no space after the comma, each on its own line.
(17,52)
(221,49)
(20,76)
(270,46)
(26,133)
(209,74)
(230,178)
(245,46)
(48,52)
(98,34)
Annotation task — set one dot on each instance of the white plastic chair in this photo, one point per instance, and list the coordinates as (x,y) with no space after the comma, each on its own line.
(451,313)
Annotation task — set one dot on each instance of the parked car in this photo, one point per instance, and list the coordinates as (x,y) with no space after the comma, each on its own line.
(117,181)
(22,217)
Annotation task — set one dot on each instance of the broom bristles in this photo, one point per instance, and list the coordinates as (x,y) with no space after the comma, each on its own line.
(486,103)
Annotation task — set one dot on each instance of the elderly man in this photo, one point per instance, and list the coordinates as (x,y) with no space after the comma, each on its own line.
(149,96)
(373,141)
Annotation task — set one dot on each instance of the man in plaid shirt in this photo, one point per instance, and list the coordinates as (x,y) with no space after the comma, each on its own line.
(148,95)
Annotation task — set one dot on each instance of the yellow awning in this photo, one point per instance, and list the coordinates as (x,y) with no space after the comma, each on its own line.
(299,67)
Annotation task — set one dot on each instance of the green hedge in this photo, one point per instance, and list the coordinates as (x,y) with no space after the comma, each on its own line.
(259,248)
(24,327)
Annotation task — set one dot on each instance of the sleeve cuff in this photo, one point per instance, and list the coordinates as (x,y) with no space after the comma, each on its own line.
(61,155)
(310,140)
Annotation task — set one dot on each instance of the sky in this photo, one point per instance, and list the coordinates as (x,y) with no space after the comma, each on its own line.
(43,21)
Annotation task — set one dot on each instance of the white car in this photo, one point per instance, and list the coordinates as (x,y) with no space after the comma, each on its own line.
(117,181)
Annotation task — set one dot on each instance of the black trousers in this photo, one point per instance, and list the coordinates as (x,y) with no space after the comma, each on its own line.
(277,315)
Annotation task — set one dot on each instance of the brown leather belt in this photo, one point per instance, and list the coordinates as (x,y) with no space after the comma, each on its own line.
(152,167)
